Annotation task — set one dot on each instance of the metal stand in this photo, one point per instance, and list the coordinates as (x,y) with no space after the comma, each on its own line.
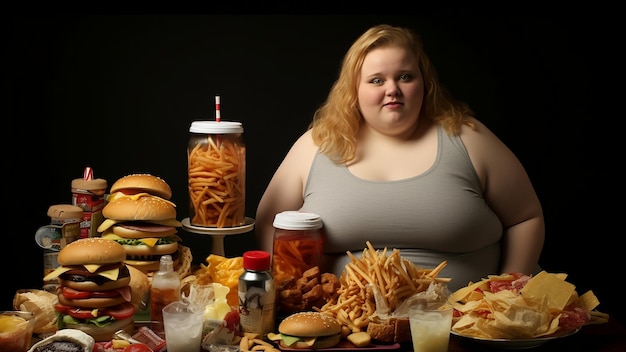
(218,233)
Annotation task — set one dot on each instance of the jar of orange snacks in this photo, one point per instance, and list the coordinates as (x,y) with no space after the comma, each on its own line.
(216,155)
(298,244)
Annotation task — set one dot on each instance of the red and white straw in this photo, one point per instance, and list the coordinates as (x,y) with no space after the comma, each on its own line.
(88,174)
(218,115)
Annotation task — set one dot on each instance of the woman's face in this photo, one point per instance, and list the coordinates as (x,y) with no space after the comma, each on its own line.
(391,90)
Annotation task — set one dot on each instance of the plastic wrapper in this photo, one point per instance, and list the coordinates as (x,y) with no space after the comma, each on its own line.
(221,321)
(436,292)
(41,303)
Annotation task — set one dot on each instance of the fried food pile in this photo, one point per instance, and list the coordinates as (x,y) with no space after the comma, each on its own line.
(311,290)
(394,277)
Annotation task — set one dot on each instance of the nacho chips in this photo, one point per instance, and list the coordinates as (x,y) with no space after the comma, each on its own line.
(515,306)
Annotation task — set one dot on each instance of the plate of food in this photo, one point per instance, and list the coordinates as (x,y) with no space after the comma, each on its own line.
(516,343)
(514,310)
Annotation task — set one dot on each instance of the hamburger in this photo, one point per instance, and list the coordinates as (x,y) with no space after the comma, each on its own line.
(310,330)
(140,216)
(94,295)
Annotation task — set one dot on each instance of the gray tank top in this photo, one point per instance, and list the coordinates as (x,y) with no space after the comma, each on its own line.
(438,215)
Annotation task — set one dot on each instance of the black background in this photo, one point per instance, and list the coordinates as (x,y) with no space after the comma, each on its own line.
(117,91)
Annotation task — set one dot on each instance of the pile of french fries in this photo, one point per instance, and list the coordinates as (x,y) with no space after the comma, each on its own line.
(395,278)
(217,183)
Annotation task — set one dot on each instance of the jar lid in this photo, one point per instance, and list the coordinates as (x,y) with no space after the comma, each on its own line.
(89,185)
(296,220)
(65,211)
(214,127)
(256,260)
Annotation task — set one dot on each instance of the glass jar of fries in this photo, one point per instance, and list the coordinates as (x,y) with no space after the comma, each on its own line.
(216,155)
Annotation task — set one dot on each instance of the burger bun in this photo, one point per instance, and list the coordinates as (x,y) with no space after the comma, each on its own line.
(107,332)
(140,286)
(146,208)
(148,183)
(91,251)
(324,328)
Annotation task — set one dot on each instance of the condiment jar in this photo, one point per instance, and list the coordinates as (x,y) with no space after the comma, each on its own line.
(298,244)
(216,156)
(89,194)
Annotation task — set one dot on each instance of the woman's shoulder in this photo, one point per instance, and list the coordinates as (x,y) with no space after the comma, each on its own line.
(304,144)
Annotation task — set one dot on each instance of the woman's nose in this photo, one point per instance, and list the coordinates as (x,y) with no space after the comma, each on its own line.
(392,89)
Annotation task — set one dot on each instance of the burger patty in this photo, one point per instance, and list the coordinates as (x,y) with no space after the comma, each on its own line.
(85,276)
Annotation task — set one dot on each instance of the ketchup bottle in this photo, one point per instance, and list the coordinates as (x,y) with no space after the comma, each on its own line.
(165,288)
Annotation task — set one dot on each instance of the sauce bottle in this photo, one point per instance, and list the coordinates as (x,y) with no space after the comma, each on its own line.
(257,294)
(165,288)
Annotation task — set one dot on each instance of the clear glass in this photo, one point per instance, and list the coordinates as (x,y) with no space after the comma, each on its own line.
(216,175)
(430,327)
(16,330)
(183,326)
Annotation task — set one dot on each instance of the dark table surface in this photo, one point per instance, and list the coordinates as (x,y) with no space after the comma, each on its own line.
(605,337)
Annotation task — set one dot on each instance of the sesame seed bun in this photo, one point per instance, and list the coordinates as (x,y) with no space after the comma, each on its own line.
(324,327)
(143,183)
(91,251)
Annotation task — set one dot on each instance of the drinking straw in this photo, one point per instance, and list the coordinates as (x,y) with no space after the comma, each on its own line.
(218,116)
(88,174)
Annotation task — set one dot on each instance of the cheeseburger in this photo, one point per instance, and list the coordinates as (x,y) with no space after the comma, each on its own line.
(94,295)
(140,217)
(311,330)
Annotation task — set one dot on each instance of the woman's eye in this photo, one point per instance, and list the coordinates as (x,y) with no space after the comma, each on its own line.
(377,81)
(405,77)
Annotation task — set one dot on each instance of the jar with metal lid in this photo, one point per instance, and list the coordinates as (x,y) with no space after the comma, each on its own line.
(216,155)
(298,244)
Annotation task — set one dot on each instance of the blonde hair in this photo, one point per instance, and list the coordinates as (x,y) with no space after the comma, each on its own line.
(336,122)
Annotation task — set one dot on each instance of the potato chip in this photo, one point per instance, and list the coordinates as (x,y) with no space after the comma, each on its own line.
(222,270)
(525,307)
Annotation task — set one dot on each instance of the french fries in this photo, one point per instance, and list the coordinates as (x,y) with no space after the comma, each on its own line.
(394,277)
(217,183)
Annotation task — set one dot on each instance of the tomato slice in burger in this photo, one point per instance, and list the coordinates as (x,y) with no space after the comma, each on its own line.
(120,311)
(75,312)
(74,294)
(71,293)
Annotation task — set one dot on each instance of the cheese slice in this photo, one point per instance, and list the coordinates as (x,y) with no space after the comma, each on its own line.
(290,340)
(111,274)
(149,241)
(106,224)
(56,273)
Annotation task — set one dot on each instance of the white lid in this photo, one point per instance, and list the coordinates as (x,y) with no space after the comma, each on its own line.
(214,127)
(296,220)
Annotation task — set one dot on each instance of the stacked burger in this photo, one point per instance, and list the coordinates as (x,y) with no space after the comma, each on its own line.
(94,294)
(140,216)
